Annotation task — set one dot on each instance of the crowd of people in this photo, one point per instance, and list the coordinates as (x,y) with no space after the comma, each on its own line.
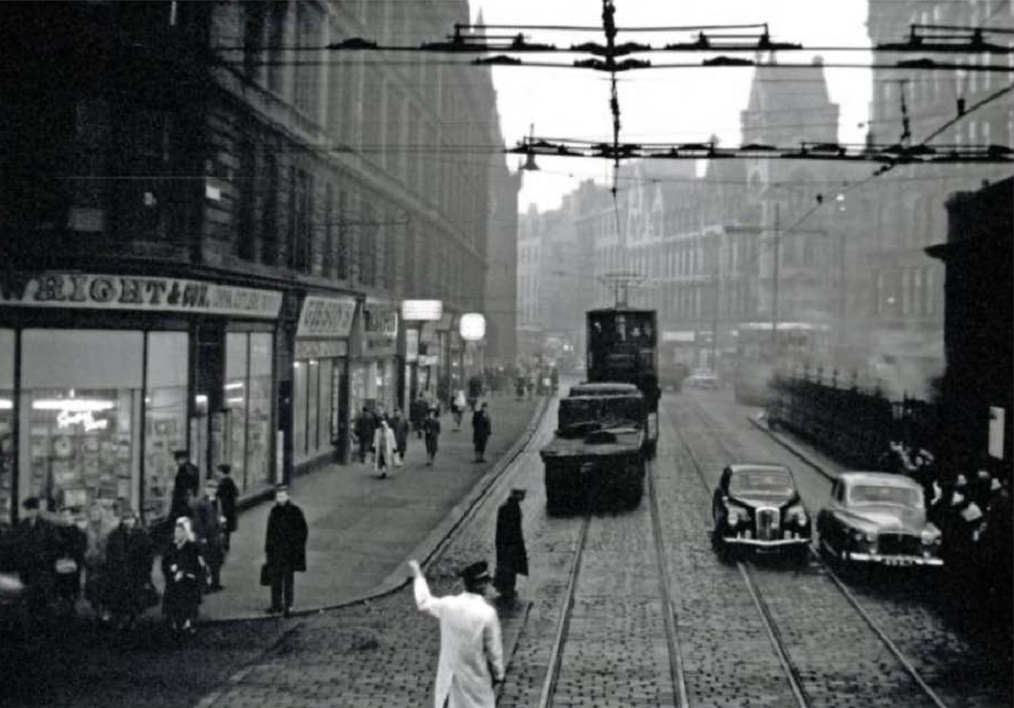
(974,514)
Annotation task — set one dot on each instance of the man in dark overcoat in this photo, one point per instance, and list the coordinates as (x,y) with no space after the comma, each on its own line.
(482,427)
(36,545)
(208,524)
(228,493)
(185,486)
(401,429)
(364,426)
(285,548)
(511,556)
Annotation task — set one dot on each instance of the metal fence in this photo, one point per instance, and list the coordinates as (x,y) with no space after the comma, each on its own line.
(849,419)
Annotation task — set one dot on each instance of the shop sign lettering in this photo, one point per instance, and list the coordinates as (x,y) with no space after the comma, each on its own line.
(380,320)
(326,317)
(80,290)
(86,419)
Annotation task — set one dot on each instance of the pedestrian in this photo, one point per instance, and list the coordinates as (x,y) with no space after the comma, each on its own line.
(71,546)
(471,652)
(511,555)
(458,408)
(130,555)
(363,428)
(432,431)
(227,495)
(482,428)
(95,560)
(208,525)
(400,427)
(182,568)
(285,550)
(417,412)
(185,486)
(36,546)
(519,388)
(384,447)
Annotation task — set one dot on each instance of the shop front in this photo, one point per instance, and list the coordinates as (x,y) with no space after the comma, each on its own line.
(428,369)
(443,351)
(320,416)
(102,377)
(374,368)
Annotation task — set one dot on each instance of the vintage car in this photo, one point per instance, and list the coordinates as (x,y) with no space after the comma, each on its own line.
(878,517)
(756,506)
(703,378)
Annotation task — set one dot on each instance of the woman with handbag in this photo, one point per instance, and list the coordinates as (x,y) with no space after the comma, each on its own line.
(130,554)
(183,569)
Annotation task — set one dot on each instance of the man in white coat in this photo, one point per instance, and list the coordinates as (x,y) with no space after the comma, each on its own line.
(471,653)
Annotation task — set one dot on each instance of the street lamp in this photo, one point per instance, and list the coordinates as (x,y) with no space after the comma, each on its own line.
(472,328)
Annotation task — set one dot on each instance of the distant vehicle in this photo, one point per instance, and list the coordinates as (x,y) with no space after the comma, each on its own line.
(703,378)
(759,353)
(597,456)
(879,518)
(757,506)
(622,346)
(672,377)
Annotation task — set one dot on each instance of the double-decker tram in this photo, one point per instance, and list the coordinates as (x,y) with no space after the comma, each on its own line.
(759,353)
(623,347)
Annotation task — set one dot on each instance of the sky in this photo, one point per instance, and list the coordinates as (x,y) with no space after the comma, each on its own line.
(660,105)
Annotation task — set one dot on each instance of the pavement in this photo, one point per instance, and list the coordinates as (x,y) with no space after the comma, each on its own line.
(362,528)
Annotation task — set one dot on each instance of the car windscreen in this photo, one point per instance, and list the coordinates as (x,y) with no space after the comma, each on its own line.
(871,494)
(765,482)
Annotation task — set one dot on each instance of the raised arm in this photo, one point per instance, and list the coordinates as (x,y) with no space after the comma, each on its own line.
(424,601)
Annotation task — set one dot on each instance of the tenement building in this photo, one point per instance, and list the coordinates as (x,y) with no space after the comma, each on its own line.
(208,223)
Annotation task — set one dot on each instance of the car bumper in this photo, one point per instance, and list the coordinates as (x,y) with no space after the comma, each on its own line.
(776,543)
(878,559)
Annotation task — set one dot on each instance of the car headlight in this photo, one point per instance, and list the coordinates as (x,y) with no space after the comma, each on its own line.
(864,536)
(796,514)
(735,515)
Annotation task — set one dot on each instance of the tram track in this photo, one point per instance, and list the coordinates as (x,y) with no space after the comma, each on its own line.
(564,640)
(777,597)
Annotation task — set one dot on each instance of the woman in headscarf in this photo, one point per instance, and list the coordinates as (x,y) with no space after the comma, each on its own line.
(183,569)
(384,444)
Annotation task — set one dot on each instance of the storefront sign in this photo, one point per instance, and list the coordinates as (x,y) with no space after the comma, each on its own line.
(124,292)
(321,348)
(422,310)
(326,317)
(380,320)
(472,326)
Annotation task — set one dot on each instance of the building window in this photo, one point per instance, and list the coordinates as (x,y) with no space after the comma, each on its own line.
(344,254)
(300,210)
(165,417)
(6,422)
(245,231)
(269,222)
(329,246)
(248,397)
(254,27)
(307,88)
(277,67)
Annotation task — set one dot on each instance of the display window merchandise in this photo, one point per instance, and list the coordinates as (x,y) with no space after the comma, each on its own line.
(248,398)
(313,407)
(6,421)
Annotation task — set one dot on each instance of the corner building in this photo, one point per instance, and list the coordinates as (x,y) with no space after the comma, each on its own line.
(207,225)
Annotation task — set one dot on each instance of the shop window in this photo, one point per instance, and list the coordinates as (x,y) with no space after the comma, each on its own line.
(248,391)
(165,417)
(259,462)
(300,374)
(80,418)
(235,399)
(6,423)
(312,403)
(326,403)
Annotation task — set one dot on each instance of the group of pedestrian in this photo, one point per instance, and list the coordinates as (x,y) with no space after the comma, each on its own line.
(201,529)
(383,437)
(71,565)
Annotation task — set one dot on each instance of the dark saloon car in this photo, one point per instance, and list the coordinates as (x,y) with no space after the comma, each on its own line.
(757,506)
(878,517)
